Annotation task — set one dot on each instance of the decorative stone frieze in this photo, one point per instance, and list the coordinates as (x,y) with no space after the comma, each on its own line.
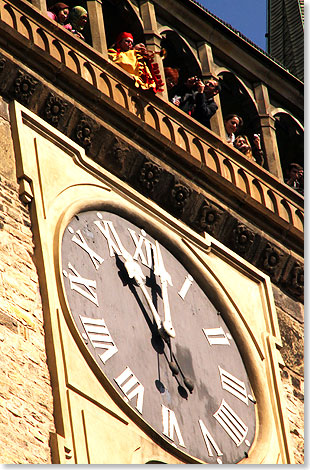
(149,176)
(272,261)
(131,165)
(84,133)
(24,87)
(242,239)
(54,109)
(179,197)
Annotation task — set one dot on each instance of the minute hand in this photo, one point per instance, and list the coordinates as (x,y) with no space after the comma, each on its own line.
(164,279)
(135,271)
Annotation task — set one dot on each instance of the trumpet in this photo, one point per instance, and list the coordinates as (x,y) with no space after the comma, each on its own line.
(142,50)
(162,53)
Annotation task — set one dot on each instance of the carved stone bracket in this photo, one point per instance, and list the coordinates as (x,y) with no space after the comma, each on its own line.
(25,191)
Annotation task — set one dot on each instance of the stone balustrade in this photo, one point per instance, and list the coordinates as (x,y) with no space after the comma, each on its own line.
(203,148)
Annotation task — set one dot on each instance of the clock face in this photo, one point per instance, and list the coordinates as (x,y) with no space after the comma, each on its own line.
(184,377)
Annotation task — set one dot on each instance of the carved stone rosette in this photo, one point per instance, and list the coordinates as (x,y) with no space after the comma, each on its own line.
(180,195)
(84,133)
(24,87)
(242,239)
(54,109)
(149,176)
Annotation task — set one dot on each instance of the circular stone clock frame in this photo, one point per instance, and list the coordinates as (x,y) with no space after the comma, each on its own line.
(171,239)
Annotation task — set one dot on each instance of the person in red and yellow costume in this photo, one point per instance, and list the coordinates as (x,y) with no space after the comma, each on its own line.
(137,61)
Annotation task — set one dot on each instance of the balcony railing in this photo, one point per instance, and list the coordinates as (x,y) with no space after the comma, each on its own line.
(202,148)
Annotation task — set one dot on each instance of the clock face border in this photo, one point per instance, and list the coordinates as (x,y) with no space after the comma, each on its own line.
(173,242)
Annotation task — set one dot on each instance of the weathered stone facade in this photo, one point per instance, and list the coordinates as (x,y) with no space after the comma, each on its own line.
(291,322)
(26,409)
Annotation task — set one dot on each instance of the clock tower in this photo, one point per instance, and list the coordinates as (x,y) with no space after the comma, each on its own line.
(153,282)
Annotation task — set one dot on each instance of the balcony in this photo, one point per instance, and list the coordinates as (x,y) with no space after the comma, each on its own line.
(107,94)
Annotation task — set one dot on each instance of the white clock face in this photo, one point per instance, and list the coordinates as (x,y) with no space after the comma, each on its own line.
(157,337)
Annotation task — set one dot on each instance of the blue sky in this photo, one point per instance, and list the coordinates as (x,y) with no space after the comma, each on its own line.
(247,16)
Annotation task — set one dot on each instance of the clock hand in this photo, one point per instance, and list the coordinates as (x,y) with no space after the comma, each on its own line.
(164,279)
(176,368)
(135,271)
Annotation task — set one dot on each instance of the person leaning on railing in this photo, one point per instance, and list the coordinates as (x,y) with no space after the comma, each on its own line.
(232,124)
(254,153)
(137,61)
(197,99)
(78,18)
(59,12)
(172,80)
(295,177)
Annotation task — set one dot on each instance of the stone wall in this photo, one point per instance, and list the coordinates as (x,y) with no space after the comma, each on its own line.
(291,323)
(26,406)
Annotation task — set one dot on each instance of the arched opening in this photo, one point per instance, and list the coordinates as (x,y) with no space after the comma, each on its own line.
(290,140)
(235,99)
(179,56)
(118,17)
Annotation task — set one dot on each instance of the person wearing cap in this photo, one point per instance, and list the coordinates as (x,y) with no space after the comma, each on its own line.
(137,61)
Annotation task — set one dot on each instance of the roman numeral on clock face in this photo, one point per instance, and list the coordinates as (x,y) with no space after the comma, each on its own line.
(231,423)
(76,281)
(131,387)
(186,285)
(209,441)
(99,337)
(80,240)
(233,385)
(170,425)
(217,336)
(108,231)
(138,244)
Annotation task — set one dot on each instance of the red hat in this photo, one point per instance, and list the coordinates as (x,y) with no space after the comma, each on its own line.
(122,36)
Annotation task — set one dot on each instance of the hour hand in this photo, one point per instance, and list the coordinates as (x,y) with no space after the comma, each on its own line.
(165,278)
(134,271)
